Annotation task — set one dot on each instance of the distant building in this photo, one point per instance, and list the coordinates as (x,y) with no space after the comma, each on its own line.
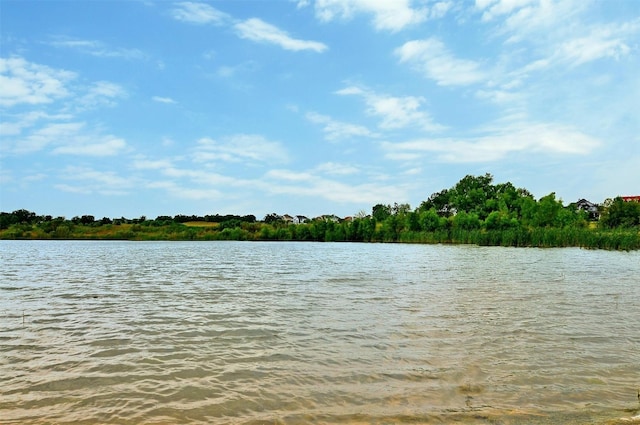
(287,218)
(296,219)
(631,198)
(299,219)
(328,217)
(589,207)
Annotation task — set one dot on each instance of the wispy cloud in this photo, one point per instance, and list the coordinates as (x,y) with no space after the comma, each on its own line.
(309,184)
(43,137)
(161,99)
(539,36)
(255,29)
(97,48)
(87,181)
(100,93)
(187,191)
(247,148)
(199,13)
(395,112)
(337,169)
(604,41)
(142,163)
(103,146)
(68,138)
(526,19)
(22,121)
(56,127)
(433,59)
(392,15)
(493,8)
(337,130)
(524,138)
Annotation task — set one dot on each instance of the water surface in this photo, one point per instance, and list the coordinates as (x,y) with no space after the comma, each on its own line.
(294,333)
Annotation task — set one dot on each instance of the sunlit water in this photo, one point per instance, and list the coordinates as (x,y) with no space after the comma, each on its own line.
(291,333)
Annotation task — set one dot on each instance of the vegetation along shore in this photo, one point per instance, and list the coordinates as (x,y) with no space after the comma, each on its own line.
(474,211)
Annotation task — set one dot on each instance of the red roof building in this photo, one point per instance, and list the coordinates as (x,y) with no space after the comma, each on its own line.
(631,198)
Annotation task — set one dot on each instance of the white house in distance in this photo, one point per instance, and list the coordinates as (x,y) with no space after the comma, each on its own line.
(589,207)
(297,219)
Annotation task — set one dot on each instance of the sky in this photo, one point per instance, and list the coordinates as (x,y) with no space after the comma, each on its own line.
(306,107)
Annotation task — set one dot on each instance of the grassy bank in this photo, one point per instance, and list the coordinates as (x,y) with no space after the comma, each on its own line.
(357,231)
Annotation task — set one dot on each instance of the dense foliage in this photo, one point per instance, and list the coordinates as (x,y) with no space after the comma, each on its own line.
(475,211)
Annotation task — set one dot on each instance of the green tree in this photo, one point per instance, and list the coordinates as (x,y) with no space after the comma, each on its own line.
(439,202)
(621,214)
(547,211)
(430,221)
(466,221)
(471,194)
(380,212)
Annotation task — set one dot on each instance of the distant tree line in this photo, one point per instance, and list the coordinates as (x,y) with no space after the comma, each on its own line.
(475,210)
(27,217)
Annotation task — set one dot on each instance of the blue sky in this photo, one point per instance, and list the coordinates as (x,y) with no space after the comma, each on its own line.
(131,108)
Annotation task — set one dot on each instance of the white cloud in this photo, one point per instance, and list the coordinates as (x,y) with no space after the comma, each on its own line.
(26,120)
(6,177)
(105,146)
(578,45)
(101,93)
(106,89)
(253,29)
(148,164)
(440,9)
(109,178)
(499,96)
(186,191)
(532,20)
(56,127)
(198,13)
(392,15)
(41,138)
(395,112)
(231,71)
(307,184)
(70,138)
(337,169)
(161,99)
(257,30)
(432,58)
(97,48)
(93,181)
(35,177)
(82,190)
(337,130)
(601,42)
(546,139)
(400,112)
(351,90)
(23,82)
(288,175)
(240,148)
(494,8)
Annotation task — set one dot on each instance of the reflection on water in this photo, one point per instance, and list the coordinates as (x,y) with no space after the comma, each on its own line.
(251,333)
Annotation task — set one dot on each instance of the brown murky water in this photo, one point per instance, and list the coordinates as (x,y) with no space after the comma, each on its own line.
(293,333)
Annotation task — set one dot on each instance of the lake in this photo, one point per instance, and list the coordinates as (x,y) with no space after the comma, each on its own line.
(304,333)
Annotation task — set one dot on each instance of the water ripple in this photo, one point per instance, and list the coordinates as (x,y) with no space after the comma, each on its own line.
(296,333)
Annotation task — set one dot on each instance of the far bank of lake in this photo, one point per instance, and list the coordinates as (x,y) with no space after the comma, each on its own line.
(358,230)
